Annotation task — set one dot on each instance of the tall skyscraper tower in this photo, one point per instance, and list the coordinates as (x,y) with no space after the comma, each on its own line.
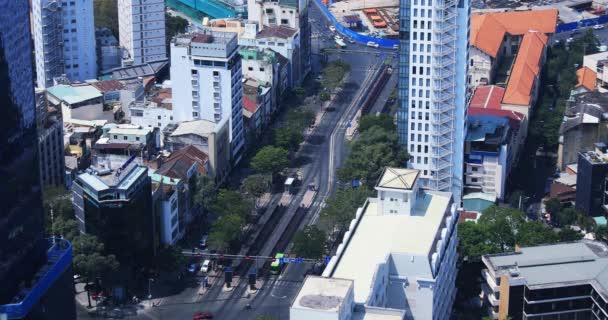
(434,37)
(141,25)
(64,40)
(35,273)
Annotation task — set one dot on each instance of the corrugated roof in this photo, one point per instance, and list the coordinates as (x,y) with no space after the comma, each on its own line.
(488,30)
(74,94)
(249,104)
(586,78)
(178,164)
(487,97)
(108,85)
(526,69)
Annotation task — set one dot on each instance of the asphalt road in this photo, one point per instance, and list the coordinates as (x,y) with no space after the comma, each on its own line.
(602,35)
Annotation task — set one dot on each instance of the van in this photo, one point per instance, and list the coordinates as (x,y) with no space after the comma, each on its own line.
(205,266)
(372,44)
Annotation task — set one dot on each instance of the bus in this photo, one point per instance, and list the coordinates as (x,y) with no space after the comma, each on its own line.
(275,266)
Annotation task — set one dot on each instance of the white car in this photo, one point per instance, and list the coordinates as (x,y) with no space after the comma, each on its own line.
(337,37)
(569,40)
(598,27)
(332,28)
(205,266)
(372,44)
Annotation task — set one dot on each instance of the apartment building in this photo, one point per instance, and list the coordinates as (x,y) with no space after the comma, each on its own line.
(141,26)
(592,171)
(559,281)
(433,91)
(399,253)
(64,40)
(50,142)
(207,84)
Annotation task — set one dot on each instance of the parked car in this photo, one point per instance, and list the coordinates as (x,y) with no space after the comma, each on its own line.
(598,27)
(203,243)
(332,28)
(350,40)
(205,266)
(372,44)
(569,40)
(202,315)
(396,46)
(338,37)
(192,267)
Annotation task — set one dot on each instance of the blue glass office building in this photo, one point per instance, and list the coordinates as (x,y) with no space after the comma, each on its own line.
(35,273)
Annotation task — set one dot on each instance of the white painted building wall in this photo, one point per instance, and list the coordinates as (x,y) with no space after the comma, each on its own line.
(268,13)
(150,115)
(142,30)
(480,67)
(170,220)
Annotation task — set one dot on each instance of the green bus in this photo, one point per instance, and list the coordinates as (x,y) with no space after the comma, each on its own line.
(275,266)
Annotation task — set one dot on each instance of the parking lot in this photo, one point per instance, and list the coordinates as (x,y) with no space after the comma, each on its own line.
(389,8)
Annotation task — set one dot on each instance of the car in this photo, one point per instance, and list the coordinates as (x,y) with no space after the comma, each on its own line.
(569,40)
(192,268)
(598,27)
(350,40)
(337,37)
(372,44)
(203,243)
(332,28)
(202,315)
(205,266)
(396,46)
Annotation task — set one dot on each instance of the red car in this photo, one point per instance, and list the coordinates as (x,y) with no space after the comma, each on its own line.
(202,315)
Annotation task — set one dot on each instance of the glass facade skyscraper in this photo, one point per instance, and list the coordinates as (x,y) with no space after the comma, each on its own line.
(35,273)
(434,36)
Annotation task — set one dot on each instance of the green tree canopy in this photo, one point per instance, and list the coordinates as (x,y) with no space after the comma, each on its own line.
(567,234)
(170,259)
(310,242)
(174,25)
(553,206)
(383,121)
(256,185)
(205,192)
(89,258)
(374,150)
(288,137)
(333,74)
(270,160)
(230,202)
(106,15)
(225,230)
(566,216)
(340,207)
(475,241)
(534,233)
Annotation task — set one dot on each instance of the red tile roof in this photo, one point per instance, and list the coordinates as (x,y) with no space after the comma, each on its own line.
(107,85)
(488,30)
(526,69)
(586,78)
(487,97)
(180,161)
(282,32)
(249,104)
(467,216)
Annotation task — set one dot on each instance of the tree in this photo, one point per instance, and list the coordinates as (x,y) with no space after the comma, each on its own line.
(568,234)
(65,228)
(300,117)
(333,74)
(502,224)
(601,233)
(228,202)
(205,191)
(475,241)
(106,15)
(170,258)
(270,160)
(515,197)
(324,96)
(553,206)
(341,206)
(566,216)
(374,150)
(60,201)
(226,229)
(256,185)
(310,242)
(383,121)
(534,233)
(89,259)
(288,137)
(265,317)
(174,25)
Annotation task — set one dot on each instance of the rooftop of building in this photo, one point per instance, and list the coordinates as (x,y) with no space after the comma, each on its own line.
(250,106)
(487,97)
(478,201)
(180,161)
(163,98)
(597,56)
(107,85)
(515,118)
(597,156)
(206,36)
(73,94)
(398,178)
(151,68)
(586,78)
(525,69)
(585,108)
(128,129)
(282,32)
(488,129)
(101,177)
(375,237)
(555,265)
(488,30)
(202,128)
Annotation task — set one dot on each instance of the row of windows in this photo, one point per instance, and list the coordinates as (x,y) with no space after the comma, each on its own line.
(415,36)
(427,104)
(429,25)
(421,70)
(423,13)
(421,93)
(415,59)
(422,2)
(415,47)
(413,115)
(418,148)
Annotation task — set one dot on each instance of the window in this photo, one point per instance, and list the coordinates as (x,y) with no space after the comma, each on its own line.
(115,137)
(473,179)
(284,21)
(250,68)
(124,137)
(136,138)
(262,69)
(471,62)
(216,73)
(194,71)
(474,169)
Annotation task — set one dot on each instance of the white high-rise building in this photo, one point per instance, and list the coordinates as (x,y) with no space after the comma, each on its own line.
(433,89)
(206,79)
(64,40)
(142,30)
(398,258)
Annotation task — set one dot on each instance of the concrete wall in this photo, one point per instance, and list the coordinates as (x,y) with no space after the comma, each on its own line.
(480,68)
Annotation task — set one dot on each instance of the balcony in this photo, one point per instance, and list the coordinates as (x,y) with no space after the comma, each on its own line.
(59,257)
(490,280)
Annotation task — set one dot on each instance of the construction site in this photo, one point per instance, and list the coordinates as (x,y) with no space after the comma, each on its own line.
(379,18)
